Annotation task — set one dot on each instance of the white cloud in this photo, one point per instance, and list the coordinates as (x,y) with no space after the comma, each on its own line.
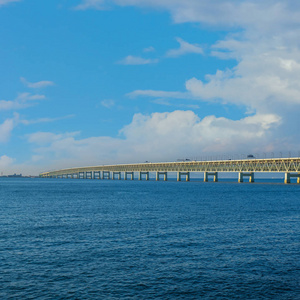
(44,120)
(159,94)
(4,2)
(91,4)
(159,137)
(7,127)
(5,161)
(166,102)
(22,101)
(36,85)
(136,60)
(45,138)
(108,103)
(185,48)
(149,49)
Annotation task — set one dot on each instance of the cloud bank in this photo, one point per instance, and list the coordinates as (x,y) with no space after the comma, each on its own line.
(159,137)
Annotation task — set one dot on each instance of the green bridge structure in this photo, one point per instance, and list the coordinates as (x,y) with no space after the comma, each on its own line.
(244,167)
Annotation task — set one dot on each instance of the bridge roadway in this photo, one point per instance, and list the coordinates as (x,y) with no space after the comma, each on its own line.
(244,168)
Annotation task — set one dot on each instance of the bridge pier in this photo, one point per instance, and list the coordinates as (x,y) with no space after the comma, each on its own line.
(288,176)
(162,173)
(116,173)
(97,173)
(89,175)
(105,174)
(206,174)
(143,173)
(249,174)
(128,173)
(187,174)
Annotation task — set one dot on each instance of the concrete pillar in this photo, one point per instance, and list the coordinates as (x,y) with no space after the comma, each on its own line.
(241,177)
(250,175)
(162,173)
(116,173)
(129,173)
(187,174)
(207,174)
(287,178)
(147,175)
(216,177)
(140,175)
(105,175)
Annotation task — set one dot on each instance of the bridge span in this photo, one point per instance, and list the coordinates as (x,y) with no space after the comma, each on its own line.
(244,167)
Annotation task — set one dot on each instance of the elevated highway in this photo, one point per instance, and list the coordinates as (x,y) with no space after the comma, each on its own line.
(244,168)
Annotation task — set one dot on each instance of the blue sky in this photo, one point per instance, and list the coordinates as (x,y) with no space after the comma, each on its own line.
(96,82)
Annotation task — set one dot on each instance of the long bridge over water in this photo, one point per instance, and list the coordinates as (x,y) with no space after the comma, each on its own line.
(244,167)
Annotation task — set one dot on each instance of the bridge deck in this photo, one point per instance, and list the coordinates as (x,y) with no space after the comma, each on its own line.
(278,165)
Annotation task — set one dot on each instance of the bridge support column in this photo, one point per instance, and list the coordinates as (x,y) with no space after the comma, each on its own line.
(288,176)
(105,175)
(250,175)
(116,173)
(162,173)
(97,173)
(206,174)
(186,174)
(128,173)
(143,173)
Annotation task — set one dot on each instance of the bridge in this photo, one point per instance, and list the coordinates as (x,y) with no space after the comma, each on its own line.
(244,167)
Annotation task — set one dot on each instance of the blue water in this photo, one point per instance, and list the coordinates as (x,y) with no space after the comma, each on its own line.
(91,239)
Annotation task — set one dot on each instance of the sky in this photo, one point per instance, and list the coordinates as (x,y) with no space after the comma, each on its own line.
(93,82)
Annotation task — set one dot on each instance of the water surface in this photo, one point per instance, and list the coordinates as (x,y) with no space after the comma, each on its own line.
(91,239)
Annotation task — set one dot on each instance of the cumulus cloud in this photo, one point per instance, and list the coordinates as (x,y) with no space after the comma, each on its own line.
(159,137)
(23,100)
(137,60)
(185,48)
(263,15)
(6,161)
(36,85)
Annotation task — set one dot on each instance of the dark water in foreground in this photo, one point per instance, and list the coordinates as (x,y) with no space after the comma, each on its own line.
(90,239)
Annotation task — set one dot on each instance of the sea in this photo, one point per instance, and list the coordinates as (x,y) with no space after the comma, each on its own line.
(117,239)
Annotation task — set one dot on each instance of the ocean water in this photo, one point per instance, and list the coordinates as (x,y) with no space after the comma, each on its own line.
(91,239)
